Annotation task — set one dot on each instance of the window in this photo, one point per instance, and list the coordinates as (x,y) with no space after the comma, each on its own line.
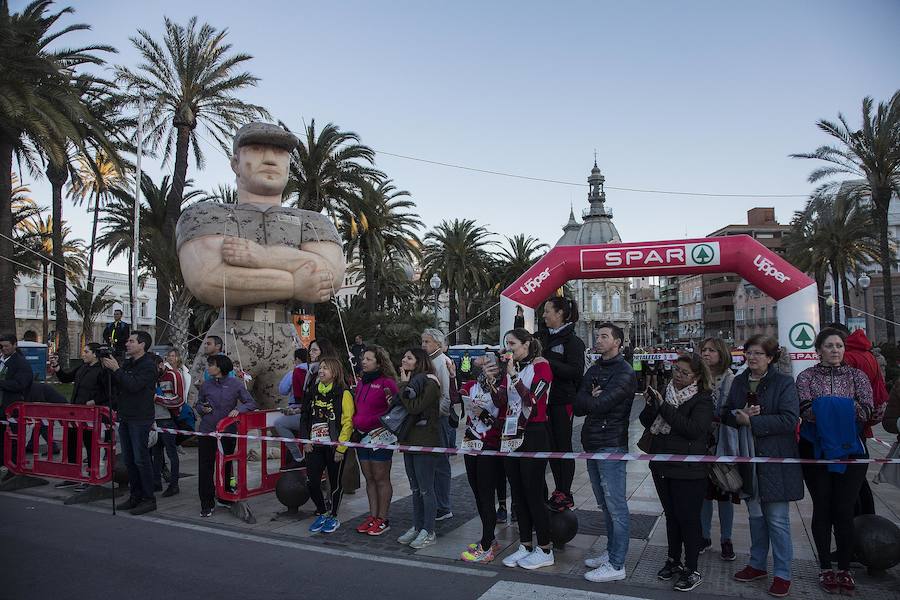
(143,309)
(32,300)
(762,314)
(697,292)
(597,303)
(750,315)
(739,315)
(698,311)
(616,302)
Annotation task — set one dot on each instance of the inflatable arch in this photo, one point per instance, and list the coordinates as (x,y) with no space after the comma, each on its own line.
(795,292)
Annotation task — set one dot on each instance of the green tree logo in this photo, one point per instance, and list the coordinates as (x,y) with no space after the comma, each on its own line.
(703,254)
(802,336)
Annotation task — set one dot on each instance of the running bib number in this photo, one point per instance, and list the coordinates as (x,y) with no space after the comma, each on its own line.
(380,436)
(511,425)
(472,444)
(510,445)
(320,433)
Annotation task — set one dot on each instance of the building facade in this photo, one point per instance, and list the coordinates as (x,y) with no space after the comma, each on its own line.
(645,311)
(29,308)
(667,310)
(599,300)
(691,329)
(754,312)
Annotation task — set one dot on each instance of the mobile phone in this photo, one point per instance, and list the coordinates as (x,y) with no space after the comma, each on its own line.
(752,399)
(595,381)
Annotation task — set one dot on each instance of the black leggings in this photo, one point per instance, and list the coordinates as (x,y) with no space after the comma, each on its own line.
(833,496)
(206,467)
(317,462)
(526,482)
(483,473)
(559,418)
(682,500)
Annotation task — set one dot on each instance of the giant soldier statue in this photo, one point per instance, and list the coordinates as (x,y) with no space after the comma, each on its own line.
(251,258)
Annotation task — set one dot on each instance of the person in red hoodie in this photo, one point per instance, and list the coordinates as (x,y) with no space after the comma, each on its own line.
(858,354)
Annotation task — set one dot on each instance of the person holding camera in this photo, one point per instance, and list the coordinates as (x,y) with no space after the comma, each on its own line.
(681,423)
(220,396)
(92,387)
(135,386)
(765,402)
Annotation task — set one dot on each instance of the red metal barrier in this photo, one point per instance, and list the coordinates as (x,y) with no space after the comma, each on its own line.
(77,422)
(251,423)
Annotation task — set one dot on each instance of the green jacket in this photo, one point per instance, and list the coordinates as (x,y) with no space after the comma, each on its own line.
(425,431)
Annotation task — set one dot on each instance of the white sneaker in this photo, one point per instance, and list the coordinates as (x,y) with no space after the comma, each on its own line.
(536,559)
(423,539)
(593,563)
(605,572)
(513,559)
(409,536)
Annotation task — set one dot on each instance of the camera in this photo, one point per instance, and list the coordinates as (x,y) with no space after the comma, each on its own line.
(103,352)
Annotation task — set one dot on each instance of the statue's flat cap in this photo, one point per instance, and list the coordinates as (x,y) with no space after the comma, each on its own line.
(268,134)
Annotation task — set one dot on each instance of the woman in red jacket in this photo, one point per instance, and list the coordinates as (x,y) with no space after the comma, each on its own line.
(521,397)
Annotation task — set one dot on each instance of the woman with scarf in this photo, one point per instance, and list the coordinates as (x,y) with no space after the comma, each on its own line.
(373,398)
(763,404)
(565,352)
(327,416)
(835,405)
(521,397)
(681,423)
(715,354)
(420,394)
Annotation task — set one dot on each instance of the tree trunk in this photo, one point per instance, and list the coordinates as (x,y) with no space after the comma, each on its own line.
(820,291)
(835,290)
(173,211)
(452,318)
(882,200)
(369,270)
(93,249)
(845,293)
(7,272)
(57,177)
(465,336)
(45,324)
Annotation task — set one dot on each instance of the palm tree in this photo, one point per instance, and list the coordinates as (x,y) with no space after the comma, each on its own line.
(520,254)
(41,231)
(380,231)
(190,79)
(222,194)
(24,209)
(805,251)
(873,154)
(96,176)
(329,170)
(459,252)
(41,110)
(89,306)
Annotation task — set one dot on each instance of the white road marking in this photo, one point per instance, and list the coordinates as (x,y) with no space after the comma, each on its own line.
(510,590)
(273,542)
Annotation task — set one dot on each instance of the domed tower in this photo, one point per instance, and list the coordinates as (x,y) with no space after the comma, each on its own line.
(600,300)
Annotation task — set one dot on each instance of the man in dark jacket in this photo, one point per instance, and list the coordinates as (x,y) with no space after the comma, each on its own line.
(135,384)
(15,379)
(605,397)
(115,334)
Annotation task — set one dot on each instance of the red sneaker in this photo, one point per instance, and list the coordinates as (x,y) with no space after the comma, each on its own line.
(365,525)
(780,587)
(748,573)
(845,582)
(828,582)
(379,526)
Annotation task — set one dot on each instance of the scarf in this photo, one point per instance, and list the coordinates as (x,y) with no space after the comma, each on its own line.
(368,377)
(676,398)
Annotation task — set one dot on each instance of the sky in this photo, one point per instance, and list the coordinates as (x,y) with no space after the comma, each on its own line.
(703,97)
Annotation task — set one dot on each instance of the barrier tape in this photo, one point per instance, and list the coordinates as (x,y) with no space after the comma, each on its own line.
(608,456)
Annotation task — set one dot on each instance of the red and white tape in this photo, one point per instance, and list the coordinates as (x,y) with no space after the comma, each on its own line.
(608,456)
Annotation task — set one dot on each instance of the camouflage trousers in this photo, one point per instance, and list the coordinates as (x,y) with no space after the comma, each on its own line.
(263,350)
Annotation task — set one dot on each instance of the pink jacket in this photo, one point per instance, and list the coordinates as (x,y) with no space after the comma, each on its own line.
(372,401)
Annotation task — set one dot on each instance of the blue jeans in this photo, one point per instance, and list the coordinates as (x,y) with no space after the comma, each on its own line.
(442,477)
(608,481)
(166,444)
(420,469)
(288,426)
(726,519)
(771,526)
(134,435)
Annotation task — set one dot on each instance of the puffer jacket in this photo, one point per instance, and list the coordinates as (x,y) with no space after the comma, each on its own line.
(565,352)
(691,425)
(843,380)
(858,354)
(774,432)
(609,414)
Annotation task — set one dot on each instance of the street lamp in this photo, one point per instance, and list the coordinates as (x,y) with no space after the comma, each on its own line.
(829,302)
(435,283)
(864,281)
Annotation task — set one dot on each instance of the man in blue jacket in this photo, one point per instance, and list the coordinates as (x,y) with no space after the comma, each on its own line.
(135,384)
(15,380)
(605,397)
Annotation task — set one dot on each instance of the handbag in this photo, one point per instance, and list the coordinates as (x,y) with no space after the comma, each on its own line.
(890,472)
(397,420)
(726,477)
(644,443)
